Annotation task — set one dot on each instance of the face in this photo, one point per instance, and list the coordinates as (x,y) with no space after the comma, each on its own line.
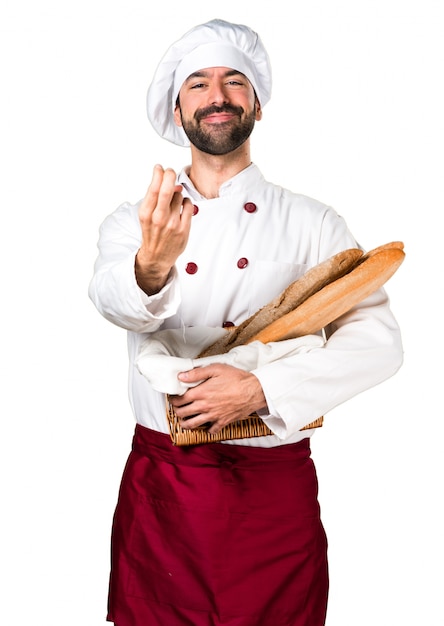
(217,109)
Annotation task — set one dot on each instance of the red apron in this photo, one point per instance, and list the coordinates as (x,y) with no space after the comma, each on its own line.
(217,535)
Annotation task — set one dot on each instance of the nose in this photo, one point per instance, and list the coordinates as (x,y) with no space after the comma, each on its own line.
(217,94)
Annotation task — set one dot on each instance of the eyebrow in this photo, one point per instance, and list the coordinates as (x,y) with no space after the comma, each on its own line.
(205,74)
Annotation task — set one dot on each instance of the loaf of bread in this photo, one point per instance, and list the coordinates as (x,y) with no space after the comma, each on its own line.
(336,298)
(321,295)
(293,296)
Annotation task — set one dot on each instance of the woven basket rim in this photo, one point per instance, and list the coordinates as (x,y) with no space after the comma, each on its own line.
(254,426)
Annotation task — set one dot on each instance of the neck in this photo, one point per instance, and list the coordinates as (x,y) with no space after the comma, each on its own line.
(208,171)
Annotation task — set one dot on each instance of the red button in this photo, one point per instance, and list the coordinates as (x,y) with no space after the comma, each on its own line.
(227,324)
(195,209)
(191,268)
(242,263)
(250,207)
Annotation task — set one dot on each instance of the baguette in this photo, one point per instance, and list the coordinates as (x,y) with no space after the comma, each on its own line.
(293,296)
(336,298)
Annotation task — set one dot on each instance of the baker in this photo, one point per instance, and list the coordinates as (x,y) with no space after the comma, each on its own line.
(225,533)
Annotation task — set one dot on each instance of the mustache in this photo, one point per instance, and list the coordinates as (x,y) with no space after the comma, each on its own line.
(225,108)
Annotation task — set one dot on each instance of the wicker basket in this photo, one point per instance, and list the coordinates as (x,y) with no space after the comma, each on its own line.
(251,427)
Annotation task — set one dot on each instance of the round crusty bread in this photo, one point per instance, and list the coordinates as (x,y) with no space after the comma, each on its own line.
(336,298)
(293,296)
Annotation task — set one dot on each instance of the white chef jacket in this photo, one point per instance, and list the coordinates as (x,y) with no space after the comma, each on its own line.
(245,247)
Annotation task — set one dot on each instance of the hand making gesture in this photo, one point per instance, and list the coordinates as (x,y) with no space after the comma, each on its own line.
(165,218)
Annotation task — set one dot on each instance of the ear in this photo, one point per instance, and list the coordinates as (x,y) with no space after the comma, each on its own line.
(177,117)
(258,110)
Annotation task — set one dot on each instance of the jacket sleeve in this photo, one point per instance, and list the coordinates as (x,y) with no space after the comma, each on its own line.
(113,288)
(363,349)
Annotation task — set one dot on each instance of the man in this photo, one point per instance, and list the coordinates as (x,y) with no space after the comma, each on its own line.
(225,533)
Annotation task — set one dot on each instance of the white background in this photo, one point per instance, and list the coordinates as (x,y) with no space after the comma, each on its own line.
(355,121)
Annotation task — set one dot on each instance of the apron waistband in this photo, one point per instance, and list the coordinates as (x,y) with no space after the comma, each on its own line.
(151,443)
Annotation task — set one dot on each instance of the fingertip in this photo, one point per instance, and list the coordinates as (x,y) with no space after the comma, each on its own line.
(157,168)
(157,174)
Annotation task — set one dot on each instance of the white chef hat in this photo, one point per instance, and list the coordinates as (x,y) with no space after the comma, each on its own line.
(214,44)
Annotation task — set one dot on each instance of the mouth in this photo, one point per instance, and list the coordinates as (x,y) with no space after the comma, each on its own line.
(218,115)
(218,118)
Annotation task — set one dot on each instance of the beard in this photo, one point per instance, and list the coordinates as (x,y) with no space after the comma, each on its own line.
(220,138)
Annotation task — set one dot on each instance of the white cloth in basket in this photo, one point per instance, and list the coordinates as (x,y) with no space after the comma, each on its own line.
(165,353)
